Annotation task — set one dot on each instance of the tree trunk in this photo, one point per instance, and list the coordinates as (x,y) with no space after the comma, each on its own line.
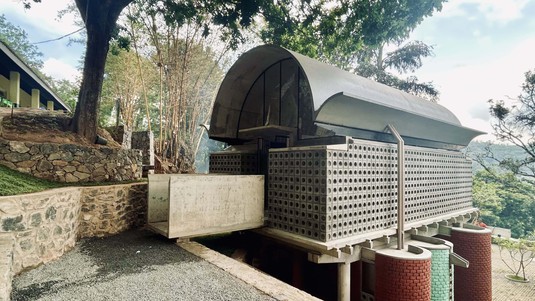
(100,18)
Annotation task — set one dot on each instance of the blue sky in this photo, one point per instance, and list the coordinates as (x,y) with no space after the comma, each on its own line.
(482,48)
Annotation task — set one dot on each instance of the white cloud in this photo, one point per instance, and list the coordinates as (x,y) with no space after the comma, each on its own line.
(60,70)
(465,89)
(41,15)
(502,11)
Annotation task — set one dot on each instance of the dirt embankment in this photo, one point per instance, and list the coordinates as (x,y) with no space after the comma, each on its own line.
(34,125)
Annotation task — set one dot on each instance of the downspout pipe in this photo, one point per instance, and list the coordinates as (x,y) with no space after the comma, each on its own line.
(401,185)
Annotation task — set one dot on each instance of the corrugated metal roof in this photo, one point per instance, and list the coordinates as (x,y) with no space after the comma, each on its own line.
(340,99)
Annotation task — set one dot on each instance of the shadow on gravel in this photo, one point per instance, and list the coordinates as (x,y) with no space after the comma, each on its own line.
(133,251)
(33,291)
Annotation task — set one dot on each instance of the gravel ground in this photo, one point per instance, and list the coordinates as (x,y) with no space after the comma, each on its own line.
(134,265)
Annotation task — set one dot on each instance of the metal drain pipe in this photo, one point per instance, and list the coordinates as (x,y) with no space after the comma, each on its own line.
(401,186)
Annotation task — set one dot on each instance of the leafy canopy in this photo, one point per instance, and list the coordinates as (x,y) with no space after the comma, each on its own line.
(352,36)
(17,39)
(505,201)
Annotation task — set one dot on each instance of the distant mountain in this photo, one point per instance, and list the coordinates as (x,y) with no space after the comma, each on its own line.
(500,151)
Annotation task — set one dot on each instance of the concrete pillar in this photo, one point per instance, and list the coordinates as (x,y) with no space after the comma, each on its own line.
(36,98)
(297,270)
(50,105)
(356,281)
(344,281)
(476,280)
(403,275)
(14,88)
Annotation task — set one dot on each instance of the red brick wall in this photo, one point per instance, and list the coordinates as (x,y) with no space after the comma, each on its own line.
(475,282)
(402,279)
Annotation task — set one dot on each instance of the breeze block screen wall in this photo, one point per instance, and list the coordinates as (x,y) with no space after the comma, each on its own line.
(337,191)
(234,163)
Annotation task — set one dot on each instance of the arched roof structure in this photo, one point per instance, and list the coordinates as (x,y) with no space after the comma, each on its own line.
(324,99)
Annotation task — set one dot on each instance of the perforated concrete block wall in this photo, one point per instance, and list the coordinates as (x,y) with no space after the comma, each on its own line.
(337,191)
(234,163)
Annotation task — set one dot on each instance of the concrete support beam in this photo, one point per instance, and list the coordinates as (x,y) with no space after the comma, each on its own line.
(14,88)
(50,105)
(344,281)
(36,98)
(328,258)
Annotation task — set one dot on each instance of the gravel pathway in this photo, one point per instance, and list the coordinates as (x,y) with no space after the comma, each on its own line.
(134,265)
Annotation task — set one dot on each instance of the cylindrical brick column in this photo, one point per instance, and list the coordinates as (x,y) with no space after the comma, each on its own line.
(476,280)
(440,267)
(402,275)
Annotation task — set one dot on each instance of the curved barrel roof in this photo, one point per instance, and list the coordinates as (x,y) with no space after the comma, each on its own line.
(340,99)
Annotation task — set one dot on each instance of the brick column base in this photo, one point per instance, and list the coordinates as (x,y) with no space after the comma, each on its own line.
(402,276)
(476,280)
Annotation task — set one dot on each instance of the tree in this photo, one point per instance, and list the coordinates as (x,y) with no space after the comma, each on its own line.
(520,254)
(68,91)
(342,26)
(122,84)
(321,29)
(515,124)
(373,63)
(187,64)
(17,39)
(100,18)
(505,201)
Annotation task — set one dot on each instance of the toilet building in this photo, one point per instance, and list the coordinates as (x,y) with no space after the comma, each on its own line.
(358,174)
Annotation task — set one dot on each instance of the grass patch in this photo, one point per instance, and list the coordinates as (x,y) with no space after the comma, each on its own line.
(13,182)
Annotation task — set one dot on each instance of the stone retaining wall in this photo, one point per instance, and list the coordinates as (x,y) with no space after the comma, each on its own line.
(112,209)
(45,225)
(6,263)
(71,163)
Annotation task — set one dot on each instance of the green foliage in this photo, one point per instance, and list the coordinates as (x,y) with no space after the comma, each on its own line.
(352,35)
(67,91)
(505,201)
(519,253)
(13,182)
(17,39)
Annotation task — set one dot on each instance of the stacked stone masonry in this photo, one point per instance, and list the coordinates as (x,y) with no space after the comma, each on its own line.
(332,192)
(476,280)
(45,225)
(6,263)
(402,279)
(109,210)
(71,163)
(144,141)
